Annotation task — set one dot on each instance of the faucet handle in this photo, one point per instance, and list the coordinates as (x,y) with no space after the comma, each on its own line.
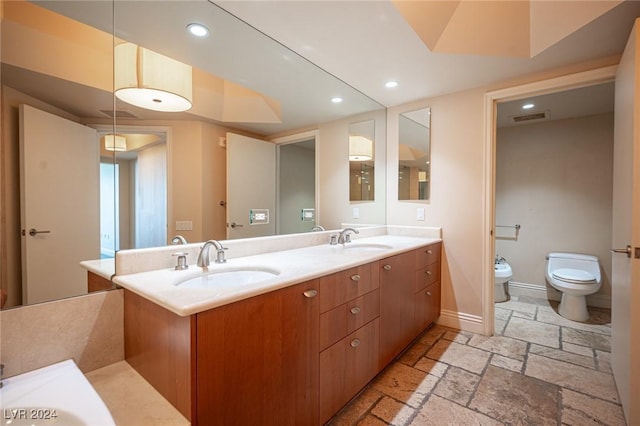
(220,255)
(333,239)
(182,260)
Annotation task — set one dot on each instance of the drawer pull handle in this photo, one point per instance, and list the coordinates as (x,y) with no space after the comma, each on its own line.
(429,251)
(355,310)
(355,277)
(428,293)
(387,267)
(355,343)
(428,273)
(310,293)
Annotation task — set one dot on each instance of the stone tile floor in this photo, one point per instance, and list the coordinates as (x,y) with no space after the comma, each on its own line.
(538,369)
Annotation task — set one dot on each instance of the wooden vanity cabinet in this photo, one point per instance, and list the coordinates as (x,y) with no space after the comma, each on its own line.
(349,335)
(293,356)
(96,282)
(254,361)
(257,360)
(397,275)
(409,298)
(427,287)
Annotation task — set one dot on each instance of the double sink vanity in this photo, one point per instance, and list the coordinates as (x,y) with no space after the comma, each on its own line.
(279,337)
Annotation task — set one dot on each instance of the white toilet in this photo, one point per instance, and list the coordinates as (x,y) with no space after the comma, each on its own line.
(503,274)
(576,276)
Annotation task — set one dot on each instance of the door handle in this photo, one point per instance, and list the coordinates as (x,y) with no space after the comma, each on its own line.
(626,250)
(235,225)
(33,232)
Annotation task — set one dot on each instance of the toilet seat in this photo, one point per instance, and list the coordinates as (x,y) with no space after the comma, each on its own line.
(575,276)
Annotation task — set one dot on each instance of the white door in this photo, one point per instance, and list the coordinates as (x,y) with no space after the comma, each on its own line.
(251,187)
(625,279)
(59,179)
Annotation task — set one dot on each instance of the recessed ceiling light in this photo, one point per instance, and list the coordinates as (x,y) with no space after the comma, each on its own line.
(391,84)
(336,100)
(198,30)
(527,106)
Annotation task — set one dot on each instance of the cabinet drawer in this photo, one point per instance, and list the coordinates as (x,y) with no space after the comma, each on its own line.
(341,287)
(347,367)
(426,276)
(346,318)
(426,306)
(425,256)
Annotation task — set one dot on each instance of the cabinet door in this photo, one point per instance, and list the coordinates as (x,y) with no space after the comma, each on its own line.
(397,281)
(346,367)
(258,360)
(426,306)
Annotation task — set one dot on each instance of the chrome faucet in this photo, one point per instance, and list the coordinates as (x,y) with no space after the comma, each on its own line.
(178,239)
(345,236)
(203,257)
(317,228)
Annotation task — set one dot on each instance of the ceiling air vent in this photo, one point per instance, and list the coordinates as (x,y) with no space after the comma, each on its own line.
(119,113)
(529,117)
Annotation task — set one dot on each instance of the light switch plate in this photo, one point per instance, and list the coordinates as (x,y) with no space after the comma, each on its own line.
(356,213)
(420,213)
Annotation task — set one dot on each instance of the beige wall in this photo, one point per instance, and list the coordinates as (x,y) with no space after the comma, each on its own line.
(457,195)
(88,329)
(555,179)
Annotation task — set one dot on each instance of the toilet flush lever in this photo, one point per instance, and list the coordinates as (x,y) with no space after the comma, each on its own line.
(626,250)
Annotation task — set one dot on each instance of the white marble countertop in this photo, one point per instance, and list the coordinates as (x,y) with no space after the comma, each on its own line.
(106,268)
(293,267)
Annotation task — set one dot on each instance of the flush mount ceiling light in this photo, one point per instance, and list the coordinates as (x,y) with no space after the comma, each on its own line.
(527,106)
(391,84)
(360,148)
(115,143)
(198,30)
(152,81)
(336,100)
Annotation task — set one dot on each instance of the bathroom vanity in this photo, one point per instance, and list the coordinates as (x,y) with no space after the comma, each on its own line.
(294,355)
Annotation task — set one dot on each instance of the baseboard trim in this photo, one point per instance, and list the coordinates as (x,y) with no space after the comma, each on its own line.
(461,321)
(541,292)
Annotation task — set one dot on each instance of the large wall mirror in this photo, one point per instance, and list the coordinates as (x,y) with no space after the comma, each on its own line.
(59,58)
(414,168)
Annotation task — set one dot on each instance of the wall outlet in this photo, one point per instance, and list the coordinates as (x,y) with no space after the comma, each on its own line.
(356,213)
(420,213)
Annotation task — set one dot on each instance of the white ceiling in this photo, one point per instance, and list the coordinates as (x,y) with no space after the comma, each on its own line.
(362,42)
(366,43)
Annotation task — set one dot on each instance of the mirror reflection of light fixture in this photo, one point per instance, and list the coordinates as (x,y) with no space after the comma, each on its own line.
(152,81)
(360,148)
(422,176)
(115,143)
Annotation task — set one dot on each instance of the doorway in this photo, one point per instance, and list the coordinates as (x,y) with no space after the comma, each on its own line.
(492,99)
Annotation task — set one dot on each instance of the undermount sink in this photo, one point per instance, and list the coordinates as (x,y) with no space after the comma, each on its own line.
(58,394)
(229,277)
(366,246)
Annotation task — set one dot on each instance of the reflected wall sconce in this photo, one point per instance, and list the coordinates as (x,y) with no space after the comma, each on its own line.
(115,143)
(360,148)
(152,81)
